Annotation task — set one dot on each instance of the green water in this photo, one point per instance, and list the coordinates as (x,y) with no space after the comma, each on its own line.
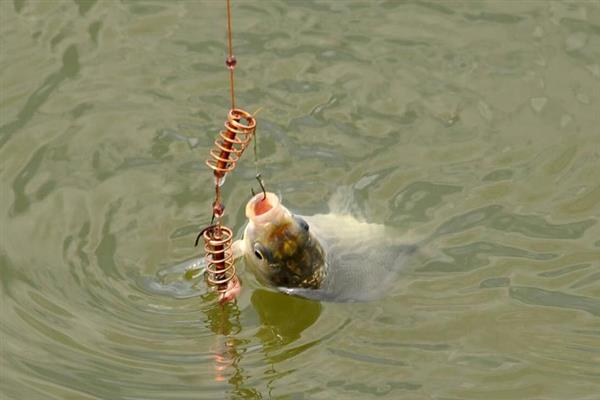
(473,123)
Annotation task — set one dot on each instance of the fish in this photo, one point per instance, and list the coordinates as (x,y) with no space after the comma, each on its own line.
(326,257)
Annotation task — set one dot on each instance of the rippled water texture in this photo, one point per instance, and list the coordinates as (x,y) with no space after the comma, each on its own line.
(471,123)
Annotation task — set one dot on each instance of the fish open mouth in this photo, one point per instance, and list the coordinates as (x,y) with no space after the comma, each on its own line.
(262,207)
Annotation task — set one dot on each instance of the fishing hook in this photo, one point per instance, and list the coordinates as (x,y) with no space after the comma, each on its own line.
(262,186)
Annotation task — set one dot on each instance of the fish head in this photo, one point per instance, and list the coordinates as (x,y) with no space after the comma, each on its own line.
(279,247)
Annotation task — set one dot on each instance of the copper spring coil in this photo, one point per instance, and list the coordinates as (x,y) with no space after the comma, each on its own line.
(219,256)
(234,140)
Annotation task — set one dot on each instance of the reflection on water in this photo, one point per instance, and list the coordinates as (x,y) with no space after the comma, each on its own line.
(279,326)
(285,323)
(471,126)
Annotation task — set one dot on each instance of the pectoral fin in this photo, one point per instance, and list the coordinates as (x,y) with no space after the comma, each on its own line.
(312,294)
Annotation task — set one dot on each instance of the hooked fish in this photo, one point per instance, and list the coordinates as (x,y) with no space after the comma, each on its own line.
(328,257)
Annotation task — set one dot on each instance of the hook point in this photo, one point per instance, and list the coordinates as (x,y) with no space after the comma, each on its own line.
(262,185)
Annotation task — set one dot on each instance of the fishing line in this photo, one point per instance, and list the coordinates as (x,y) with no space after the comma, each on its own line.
(240,128)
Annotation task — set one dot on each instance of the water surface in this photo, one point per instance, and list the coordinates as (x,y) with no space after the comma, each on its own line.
(474,124)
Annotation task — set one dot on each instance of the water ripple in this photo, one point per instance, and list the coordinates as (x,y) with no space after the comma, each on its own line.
(469,126)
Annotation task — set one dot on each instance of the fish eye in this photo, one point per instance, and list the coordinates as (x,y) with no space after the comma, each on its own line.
(302,223)
(260,252)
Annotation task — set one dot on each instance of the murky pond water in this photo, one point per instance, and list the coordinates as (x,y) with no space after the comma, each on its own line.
(472,123)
